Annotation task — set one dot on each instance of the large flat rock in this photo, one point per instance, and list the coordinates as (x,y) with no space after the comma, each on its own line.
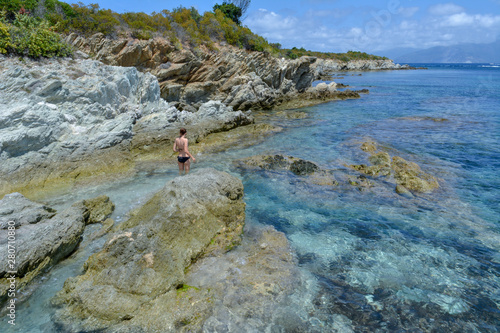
(198,215)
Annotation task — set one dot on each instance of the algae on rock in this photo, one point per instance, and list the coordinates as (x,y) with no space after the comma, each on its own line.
(42,236)
(407,175)
(197,215)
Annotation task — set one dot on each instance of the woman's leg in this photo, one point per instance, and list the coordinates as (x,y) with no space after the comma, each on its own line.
(181,167)
(187,165)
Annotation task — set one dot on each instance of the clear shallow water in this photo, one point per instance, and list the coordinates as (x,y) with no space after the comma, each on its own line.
(376,260)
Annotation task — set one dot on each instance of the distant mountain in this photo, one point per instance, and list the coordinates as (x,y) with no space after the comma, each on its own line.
(461,53)
(397,52)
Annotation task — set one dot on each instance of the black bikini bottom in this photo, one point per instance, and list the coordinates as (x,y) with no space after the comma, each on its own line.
(182,159)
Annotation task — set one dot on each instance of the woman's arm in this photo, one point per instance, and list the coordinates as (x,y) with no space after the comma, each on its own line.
(175,146)
(188,153)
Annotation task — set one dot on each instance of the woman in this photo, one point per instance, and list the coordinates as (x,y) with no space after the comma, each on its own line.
(181,146)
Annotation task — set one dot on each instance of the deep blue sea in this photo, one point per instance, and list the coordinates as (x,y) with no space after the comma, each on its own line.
(377,261)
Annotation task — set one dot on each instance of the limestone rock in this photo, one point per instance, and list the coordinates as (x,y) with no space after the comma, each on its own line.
(244,80)
(53,111)
(197,215)
(42,238)
(22,211)
(100,208)
(324,67)
(412,177)
(63,120)
(407,175)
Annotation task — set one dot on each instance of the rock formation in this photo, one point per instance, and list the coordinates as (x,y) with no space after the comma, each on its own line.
(197,215)
(61,120)
(238,78)
(310,170)
(42,237)
(281,162)
(407,175)
(329,66)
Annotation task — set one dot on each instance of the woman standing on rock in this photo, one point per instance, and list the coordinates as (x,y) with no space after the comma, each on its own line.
(181,146)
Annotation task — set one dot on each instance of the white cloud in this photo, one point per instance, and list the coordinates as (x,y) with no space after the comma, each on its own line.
(487,21)
(458,20)
(445,9)
(464,19)
(269,21)
(443,24)
(408,11)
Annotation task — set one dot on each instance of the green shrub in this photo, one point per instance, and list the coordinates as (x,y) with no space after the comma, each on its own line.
(33,37)
(141,34)
(230,11)
(34,34)
(5,41)
(14,6)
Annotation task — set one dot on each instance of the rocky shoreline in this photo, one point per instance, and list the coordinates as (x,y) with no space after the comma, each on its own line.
(46,236)
(241,79)
(65,122)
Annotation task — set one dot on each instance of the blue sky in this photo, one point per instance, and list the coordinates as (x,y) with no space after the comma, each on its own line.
(342,25)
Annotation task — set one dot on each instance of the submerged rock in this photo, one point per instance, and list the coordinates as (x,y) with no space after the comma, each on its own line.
(240,137)
(311,172)
(145,260)
(412,177)
(400,189)
(407,175)
(292,114)
(42,237)
(275,162)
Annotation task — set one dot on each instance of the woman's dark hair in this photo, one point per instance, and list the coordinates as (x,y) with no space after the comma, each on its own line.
(182,131)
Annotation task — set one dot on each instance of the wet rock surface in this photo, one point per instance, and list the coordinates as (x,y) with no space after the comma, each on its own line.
(42,236)
(280,162)
(247,288)
(144,260)
(65,120)
(407,175)
(240,137)
(403,175)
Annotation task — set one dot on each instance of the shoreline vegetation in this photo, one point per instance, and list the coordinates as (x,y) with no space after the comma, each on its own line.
(36,28)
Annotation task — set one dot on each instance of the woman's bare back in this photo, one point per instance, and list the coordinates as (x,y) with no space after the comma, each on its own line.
(181,144)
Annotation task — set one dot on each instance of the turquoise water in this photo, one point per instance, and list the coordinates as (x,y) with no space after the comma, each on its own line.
(388,263)
(379,261)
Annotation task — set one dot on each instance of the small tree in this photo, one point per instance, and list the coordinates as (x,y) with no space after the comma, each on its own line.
(230,11)
(242,4)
